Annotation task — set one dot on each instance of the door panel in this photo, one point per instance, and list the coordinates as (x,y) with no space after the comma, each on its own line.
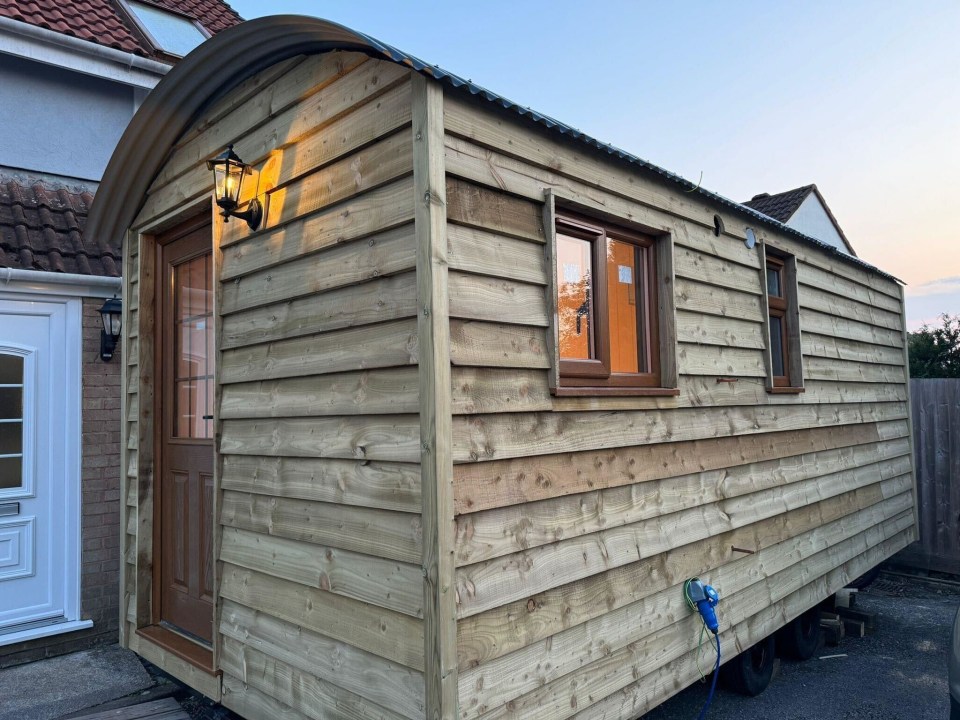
(184,327)
(34,471)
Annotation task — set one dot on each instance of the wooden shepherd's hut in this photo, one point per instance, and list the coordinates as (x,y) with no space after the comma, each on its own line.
(443,435)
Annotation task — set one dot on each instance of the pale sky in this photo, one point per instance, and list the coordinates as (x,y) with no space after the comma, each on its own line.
(861,98)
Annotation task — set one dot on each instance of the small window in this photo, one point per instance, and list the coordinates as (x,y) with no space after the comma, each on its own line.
(11,421)
(785,372)
(169,32)
(608,309)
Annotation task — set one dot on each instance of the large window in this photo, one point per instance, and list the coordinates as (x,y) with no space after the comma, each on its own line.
(785,371)
(608,308)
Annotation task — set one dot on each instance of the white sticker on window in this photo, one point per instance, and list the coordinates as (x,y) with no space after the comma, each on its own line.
(571,272)
(626,274)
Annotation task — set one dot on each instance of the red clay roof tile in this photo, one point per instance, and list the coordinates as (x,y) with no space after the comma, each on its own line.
(101,22)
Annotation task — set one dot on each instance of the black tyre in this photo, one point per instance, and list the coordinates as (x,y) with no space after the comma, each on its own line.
(800,638)
(864,581)
(750,672)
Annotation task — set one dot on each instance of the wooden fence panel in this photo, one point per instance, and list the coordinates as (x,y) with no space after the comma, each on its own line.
(936,418)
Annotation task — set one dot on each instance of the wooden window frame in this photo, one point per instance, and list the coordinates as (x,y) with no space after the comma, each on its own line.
(655,322)
(785,307)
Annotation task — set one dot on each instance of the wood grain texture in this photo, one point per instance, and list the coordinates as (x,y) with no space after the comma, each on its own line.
(384,682)
(517,625)
(389,486)
(517,435)
(434,290)
(387,584)
(492,583)
(381,533)
(299,690)
(383,632)
(479,486)
(364,347)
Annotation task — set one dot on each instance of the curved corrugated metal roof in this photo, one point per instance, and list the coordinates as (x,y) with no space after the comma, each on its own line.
(200,78)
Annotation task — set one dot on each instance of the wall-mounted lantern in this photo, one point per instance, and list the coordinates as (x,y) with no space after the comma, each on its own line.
(112,319)
(228,171)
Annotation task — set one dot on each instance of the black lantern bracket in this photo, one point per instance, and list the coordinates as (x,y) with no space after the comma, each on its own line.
(228,173)
(111,313)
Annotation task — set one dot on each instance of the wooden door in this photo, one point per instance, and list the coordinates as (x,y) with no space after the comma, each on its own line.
(185,391)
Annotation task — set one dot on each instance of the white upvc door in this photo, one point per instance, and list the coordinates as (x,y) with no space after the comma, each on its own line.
(39,465)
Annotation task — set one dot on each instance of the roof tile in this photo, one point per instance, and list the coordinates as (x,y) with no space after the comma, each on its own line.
(101,22)
(41,228)
(781,206)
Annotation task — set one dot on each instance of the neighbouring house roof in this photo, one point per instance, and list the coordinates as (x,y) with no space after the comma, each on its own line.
(254,45)
(102,22)
(41,228)
(782,206)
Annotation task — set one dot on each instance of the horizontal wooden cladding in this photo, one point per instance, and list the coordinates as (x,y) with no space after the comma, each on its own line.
(716,361)
(501,390)
(382,345)
(703,267)
(375,580)
(513,626)
(835,348)
(706,299)
(492,583)
(754,488)
(384,391)
(371,531)
(663,614)
(499,256)
(374,165)
(368,437)
(767,604)
(387,633)
(475,297)
(295,688)
(480,486)
(248,702)
(853,371)
(358,217)
(388,486)
(381,681)
(833,304)
(482,207)
(376,301)
(487,147)
(493,345)
(342,265)
(835,326)
(646,688)
(216,129)
(338,120)
(812,276)
(510,435)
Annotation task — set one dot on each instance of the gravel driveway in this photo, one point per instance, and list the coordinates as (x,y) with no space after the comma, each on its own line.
(898,673)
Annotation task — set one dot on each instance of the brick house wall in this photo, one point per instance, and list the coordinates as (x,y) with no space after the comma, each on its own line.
(100,505)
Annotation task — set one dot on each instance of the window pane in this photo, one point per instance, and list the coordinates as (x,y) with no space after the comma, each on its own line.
(11,438)
(174,34)
(11,370)
(193,347)
(575,298)
(624,301)
(11,473)
(774,286)
(776,345)
(11,403)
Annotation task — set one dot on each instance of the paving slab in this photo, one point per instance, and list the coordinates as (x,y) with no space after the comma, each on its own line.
(50,689)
